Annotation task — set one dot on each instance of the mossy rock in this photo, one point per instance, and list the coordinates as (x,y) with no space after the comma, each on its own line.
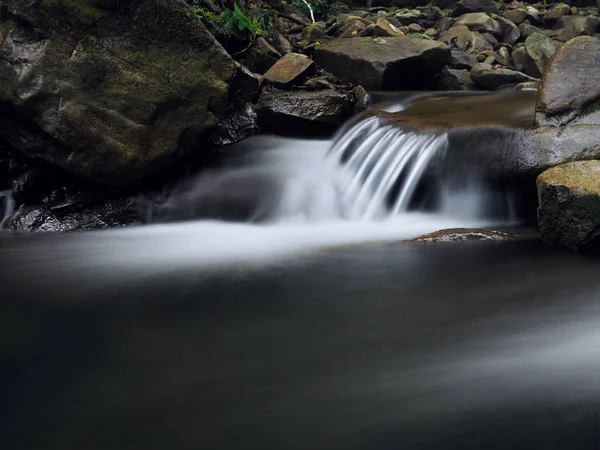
(114,90)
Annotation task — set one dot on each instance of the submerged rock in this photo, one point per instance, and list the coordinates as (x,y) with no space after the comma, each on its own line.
(569,204)
(384,63)
(459,235)
(303,111)
(570,89)
(110,90)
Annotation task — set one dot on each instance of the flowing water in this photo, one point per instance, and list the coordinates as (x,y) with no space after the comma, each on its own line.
(278,309)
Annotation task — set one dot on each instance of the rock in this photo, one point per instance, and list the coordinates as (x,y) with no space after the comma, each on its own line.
(528,86)
(556,12)
(517,16)
(290,70)
(486,77)
(479,22)
(460,235)
(311,34)
(526,30)
(415,28)
(361,99)
(104,214)
(351,29)
(547,146)
(520,58)
(461,38)
(504,55)
(569,204)
(460,60)
(510,31)
(384,28)
(110,92)
(262,56)
(578,25)
(455,80)
(384,63)
(539,48)
(570,89)
(533,15)
(431,32)
(444,24)
(282,44)
(319,112)
(475,6)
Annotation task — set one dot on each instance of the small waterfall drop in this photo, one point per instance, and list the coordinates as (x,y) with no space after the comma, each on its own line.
(384,165)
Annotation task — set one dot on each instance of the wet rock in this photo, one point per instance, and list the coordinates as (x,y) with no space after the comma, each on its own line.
(517,16)
(475,6)
(505,57)
(352,29)
(539,49)
(510,31)
(556,12)
(455,80)
(460,60)
(533,16)
(528,86)
(290,70)
(480,22)
(487,77)
(384,63)
(361,99)
(520,58)
(569,204)
(104,214)
(444,24)
(112,92)
(544,147)
(317,112)
(461,235)
(465,40)
(574,26)
(570,89)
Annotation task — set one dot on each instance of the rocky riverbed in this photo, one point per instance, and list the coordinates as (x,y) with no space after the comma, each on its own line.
(103,102)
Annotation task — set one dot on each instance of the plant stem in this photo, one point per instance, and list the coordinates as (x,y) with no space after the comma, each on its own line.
(312,16)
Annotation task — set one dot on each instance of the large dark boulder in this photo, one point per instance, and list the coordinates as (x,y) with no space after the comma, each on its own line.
(114,90)
(384,63)
(570,88)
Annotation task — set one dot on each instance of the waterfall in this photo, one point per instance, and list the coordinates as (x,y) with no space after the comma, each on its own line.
(384,165)
(7,205)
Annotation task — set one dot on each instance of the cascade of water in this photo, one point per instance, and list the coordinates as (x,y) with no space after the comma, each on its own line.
(377,156)
(8,206)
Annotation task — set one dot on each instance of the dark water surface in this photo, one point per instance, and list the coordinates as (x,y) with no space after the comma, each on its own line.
(380,346)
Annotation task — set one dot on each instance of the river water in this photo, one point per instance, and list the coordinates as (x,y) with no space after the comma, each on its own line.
(308,325)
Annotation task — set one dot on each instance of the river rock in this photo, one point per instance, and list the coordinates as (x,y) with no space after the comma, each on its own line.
(574,26)
(455,80)
(487,77)
(460,60)
(479,22)
(384,63)
(114,91)
(465,40)
(290,70)
(262,56)
(312,34)
(510,31)
(517,16)
(385,28)
(318,112)
(569,204)
(539,49)
(556,12)
(526,30)
(570,89)
(475,6)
